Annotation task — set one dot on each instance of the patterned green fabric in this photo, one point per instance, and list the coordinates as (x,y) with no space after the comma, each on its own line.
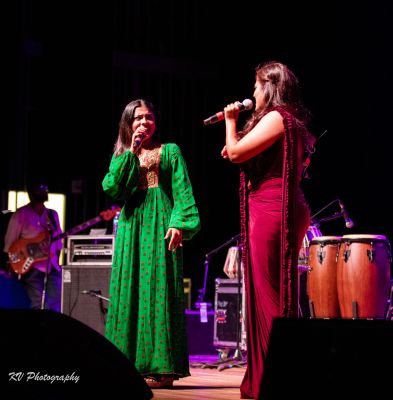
(146,314)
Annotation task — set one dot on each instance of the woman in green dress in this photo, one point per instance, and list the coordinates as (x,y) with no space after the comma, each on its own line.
(146,314)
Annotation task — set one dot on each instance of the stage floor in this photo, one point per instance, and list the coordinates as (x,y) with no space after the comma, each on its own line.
(206,383)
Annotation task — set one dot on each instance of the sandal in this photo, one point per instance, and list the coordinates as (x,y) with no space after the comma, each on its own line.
(159,381)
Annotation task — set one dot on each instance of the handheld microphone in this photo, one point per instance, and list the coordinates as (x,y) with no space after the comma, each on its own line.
(348,222)
(246,104)
(138,140)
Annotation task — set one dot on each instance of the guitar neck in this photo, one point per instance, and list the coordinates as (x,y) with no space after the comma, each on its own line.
(78,228)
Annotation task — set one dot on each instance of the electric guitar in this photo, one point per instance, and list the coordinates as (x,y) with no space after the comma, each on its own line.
(23,253)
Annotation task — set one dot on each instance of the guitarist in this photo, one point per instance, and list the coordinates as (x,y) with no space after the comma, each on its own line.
(28,222)
(5,216)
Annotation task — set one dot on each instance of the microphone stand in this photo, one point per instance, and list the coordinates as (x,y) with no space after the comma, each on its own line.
(331,217)
(238,353)
(202,292)
(334,216)
(43,295)
(237,359)
(94,294)
(317,222)
(97,294)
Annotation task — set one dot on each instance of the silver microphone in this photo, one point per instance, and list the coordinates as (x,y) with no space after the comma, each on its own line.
(348,222)
(246,104)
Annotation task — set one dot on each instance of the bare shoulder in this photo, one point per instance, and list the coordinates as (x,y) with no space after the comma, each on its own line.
(273,122)
(273,116)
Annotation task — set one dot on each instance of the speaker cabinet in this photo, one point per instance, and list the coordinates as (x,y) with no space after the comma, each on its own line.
(85,294)
(329,359)
(48,355)
(200,334)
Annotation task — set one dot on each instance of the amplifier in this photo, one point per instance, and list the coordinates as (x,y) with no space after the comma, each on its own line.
(90,249)
(229,319)
(81,289)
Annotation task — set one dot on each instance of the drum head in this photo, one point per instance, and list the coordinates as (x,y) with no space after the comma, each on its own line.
(364,238)
(326,240)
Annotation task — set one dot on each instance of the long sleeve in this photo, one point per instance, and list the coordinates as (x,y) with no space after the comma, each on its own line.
(122,179)
(185,213)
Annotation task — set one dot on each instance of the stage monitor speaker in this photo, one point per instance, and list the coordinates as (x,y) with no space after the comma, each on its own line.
(328,359)
(85,294)
(48,355)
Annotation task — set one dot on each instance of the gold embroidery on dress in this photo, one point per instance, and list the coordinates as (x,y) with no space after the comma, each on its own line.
(149,163)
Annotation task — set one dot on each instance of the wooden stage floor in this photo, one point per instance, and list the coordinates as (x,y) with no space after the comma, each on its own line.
(206,383)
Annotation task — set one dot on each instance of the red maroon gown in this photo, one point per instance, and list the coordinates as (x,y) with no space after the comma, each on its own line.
(275,218)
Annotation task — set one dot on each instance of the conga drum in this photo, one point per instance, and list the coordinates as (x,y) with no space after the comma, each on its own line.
(304,253)
(363,276)
(322,277)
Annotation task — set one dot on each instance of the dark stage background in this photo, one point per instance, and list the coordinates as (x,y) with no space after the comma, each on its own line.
(71,67)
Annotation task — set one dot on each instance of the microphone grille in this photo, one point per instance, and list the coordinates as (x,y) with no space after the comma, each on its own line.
(248,104)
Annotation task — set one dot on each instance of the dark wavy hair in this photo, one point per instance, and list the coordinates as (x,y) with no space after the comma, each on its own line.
(124,137)
(281,88)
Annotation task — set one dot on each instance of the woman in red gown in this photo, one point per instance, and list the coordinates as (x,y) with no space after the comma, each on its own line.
(271,150)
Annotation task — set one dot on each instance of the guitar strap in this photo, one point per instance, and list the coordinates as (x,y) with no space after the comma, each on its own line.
(52,219)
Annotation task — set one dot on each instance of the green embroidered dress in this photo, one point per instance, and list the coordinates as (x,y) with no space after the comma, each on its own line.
(146,314)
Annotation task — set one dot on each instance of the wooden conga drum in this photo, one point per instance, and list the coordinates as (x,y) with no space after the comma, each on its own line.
(322,277)
(363,276)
